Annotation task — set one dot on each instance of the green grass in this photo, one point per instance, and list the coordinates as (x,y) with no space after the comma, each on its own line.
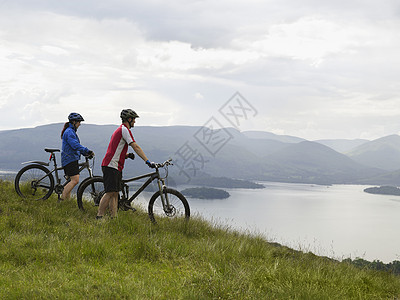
(51,250)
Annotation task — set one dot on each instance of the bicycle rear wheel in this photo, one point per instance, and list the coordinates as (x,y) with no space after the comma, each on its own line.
(178,206)
(34,182)
(90,192)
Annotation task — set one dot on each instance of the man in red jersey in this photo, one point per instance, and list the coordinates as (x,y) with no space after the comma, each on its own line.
(114,160)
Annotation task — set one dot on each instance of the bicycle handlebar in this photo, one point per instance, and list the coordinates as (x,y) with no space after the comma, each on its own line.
(165,163)
(90,156)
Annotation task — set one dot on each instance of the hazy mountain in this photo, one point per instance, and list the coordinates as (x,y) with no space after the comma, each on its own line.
(313,162)
(20,145)
(383,153)
(199,152)
(387,178)
(271,136)
(342,145)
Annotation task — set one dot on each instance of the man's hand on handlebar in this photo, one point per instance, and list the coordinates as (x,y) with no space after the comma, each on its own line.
(150,164)
(131,156)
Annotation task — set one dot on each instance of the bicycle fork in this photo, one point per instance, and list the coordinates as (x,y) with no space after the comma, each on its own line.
(168,209)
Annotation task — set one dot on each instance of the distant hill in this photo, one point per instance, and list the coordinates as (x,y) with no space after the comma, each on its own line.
(271,136)
(20,145)
(386,178)
(342,145)
(383,153)
(198,154)
(313,162)
(205,193)
(383,190)
(224,182)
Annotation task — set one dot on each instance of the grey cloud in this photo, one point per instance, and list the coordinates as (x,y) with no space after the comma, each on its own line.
(292,95)
(207,24)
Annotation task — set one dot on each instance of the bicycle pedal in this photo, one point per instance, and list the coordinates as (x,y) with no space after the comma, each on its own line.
(127,206)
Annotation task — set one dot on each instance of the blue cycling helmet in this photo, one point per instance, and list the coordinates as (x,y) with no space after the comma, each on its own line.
(75,117)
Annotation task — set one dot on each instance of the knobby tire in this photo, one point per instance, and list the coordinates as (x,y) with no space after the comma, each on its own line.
(27,185)
(90,192)
(179,206)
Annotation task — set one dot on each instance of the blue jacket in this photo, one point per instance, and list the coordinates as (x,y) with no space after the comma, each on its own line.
(71,147)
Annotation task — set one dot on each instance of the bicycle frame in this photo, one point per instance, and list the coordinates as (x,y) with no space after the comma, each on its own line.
(152,176)
(82,165)
(164,201)
(58,187)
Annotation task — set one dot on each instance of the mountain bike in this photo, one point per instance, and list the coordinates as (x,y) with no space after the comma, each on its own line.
(165,202)
(36,181)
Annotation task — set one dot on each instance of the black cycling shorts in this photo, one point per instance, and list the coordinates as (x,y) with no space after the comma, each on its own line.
(72,169)
(112,179)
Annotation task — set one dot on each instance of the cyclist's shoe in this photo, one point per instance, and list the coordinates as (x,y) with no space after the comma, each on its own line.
(101,219)
(127,206)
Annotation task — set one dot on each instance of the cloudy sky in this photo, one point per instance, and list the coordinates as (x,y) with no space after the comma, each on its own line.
(309,68)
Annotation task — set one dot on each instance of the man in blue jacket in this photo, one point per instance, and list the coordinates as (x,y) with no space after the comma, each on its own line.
(71,152)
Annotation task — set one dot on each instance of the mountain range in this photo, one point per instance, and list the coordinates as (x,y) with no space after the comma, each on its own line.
(200,152)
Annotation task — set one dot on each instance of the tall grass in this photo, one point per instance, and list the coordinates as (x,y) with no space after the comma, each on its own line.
(52,250)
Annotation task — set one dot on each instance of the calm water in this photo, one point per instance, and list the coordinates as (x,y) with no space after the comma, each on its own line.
(7,175)
(338,221)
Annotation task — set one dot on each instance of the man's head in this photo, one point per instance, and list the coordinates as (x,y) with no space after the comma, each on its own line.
(129,116)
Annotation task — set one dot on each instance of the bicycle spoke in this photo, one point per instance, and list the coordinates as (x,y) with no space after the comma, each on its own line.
(178,206)
(34,182)
(90,193)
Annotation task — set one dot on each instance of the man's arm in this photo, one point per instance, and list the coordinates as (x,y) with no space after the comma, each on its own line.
(138,151)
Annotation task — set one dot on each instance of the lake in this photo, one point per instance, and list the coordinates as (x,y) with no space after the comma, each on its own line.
(339,221)
(7,175)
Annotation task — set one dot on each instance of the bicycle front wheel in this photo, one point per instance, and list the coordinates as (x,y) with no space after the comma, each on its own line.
(90,192)
(178,205)
(34,182)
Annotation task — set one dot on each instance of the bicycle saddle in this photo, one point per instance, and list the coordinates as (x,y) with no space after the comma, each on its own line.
(51,150)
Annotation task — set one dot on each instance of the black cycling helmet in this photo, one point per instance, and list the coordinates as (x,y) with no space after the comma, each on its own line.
(128,113)
(75,117)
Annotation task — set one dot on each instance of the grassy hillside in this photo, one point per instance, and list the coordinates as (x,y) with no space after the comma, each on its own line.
(51,250)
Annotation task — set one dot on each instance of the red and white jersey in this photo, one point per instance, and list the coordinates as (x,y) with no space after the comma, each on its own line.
(117,148)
